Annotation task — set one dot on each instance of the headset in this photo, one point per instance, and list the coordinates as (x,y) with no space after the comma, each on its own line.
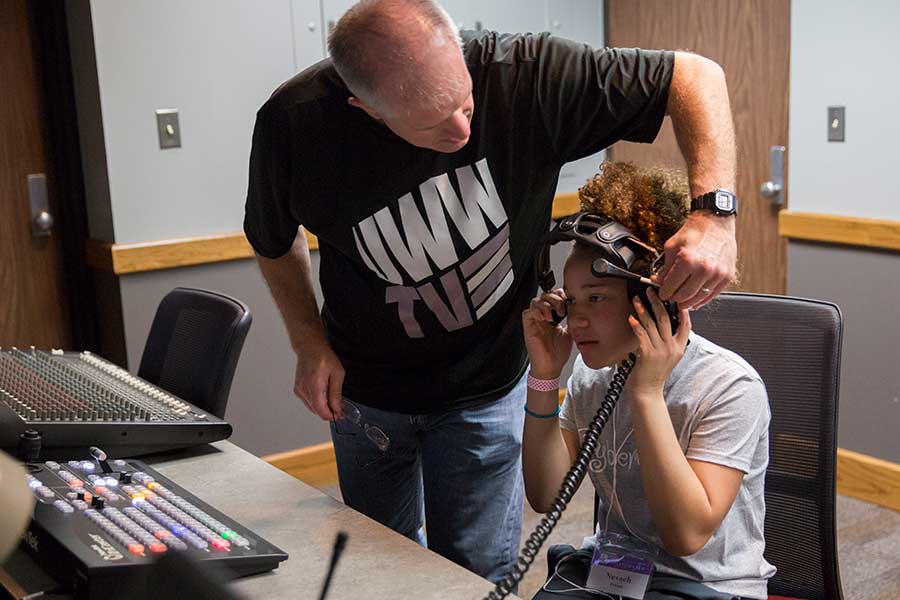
(623,256)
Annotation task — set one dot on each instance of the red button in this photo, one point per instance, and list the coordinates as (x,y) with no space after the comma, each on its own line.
(221,544)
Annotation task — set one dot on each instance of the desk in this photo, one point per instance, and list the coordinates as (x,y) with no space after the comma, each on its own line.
(377,562)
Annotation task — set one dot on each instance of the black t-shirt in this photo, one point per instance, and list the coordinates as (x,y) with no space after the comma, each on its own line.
(427,259)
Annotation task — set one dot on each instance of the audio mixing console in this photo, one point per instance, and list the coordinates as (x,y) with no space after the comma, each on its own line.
(75,399)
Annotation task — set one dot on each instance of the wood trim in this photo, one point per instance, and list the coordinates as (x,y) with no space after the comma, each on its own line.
(565,204)
(122,259)
(853,231)
(9,584)
(868,478)
(858,475)
(314,465)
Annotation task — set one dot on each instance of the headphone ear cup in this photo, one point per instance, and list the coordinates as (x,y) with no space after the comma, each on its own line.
(545,276)
(640,290)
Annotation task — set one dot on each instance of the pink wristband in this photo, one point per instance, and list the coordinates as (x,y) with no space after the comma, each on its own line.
(543,385)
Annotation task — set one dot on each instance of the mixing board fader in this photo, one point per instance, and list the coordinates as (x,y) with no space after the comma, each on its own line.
(74,399)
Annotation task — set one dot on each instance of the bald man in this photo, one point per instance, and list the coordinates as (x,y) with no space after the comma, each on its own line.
(426,163)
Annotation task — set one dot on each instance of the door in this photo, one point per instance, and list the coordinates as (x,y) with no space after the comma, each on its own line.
(33,306)
(750,39)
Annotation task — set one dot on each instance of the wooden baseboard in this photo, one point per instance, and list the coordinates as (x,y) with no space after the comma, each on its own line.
(858,475)
(314,465)
(868,478)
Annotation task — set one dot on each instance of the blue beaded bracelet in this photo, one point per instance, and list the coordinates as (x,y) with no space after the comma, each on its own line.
(538,416)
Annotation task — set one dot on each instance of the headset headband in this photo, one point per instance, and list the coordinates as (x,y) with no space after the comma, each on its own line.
(620,247)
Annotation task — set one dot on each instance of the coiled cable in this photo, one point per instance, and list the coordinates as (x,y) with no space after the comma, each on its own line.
(570,483)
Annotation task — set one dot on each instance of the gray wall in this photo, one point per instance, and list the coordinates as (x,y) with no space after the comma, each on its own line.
(846,56)
(262,408)
(216,61)
(866,285)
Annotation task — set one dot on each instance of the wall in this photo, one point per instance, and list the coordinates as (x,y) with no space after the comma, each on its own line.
(866,285)
(266,416)
(90,120)
(217,61)
(842,56)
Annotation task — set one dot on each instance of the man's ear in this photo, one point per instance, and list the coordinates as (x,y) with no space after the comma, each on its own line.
(357,103)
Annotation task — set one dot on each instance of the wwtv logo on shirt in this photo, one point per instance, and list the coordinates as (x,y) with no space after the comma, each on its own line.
(457,290)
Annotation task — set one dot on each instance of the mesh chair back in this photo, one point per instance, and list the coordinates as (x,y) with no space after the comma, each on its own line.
(795,345)
(194,345)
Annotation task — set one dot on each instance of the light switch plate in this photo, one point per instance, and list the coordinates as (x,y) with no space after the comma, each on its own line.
(168,128)
(835,123)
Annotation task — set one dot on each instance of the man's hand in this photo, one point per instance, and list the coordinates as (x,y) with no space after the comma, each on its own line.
(700,260)
(319,376)
(318,381)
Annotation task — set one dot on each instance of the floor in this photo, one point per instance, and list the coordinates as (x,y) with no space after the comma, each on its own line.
(868,544)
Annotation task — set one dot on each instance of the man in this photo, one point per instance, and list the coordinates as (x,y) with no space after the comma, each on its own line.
(426,165)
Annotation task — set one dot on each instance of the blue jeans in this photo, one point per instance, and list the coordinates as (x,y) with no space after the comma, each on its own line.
(459,471)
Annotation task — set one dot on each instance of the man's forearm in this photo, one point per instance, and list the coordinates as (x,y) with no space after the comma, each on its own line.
(701,116)
(289,278)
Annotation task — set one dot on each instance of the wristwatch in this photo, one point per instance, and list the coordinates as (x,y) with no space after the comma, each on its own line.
(721,202)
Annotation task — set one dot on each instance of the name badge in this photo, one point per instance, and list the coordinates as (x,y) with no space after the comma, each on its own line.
(621,565)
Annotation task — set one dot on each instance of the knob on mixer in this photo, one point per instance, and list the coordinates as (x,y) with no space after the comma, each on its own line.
(29,449)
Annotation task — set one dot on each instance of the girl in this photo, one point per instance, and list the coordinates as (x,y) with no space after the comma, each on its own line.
(680,467)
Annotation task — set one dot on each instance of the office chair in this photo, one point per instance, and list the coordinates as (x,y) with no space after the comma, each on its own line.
(795,345)
(194,345)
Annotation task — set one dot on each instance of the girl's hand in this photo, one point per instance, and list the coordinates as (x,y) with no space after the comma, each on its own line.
(548,346)
(659,351)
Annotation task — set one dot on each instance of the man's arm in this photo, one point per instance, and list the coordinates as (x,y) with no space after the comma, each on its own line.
(701,257)
(319,375)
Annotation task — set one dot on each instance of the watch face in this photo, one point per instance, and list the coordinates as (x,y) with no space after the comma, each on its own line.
(724,201)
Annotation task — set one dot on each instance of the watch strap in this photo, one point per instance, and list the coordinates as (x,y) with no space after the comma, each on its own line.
(720,202)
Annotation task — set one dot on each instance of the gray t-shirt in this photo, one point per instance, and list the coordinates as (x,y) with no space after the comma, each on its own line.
(720,413)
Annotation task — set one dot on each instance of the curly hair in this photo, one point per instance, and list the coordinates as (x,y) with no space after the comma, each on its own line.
(650,201)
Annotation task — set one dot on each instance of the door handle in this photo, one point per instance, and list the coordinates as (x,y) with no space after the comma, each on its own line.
(773,189)
(41,219)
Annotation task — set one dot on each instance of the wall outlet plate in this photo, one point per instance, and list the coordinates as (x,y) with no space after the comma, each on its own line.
(835,123)
(168,128)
